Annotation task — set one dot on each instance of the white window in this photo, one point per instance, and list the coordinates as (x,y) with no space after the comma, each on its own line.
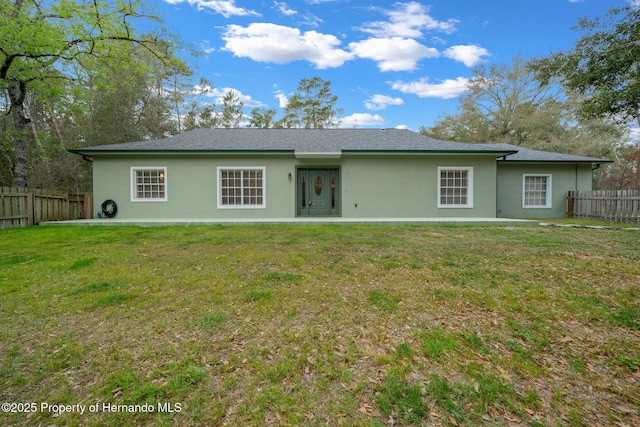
(148,184)
(241,187)
(536,191)
(455,187)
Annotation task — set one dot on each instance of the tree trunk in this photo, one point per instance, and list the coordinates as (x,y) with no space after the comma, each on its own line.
(20,121)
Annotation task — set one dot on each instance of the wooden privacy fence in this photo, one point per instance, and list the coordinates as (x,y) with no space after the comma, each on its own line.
(606,205)
(22,207)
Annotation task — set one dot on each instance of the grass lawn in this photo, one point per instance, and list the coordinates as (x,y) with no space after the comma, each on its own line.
(330,325)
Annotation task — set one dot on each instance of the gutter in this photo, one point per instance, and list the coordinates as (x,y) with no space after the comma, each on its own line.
(593,161)
(89,153)
(298,154)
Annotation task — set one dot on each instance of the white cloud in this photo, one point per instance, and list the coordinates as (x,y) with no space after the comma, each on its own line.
(380,102)
(218,94)
(225,8)
(393,54)
(266,42)
(311,20)
(246,99)
(361,120)
(469,55)
(206,47)
(283,8)
(202,90)
(408,20)
(283,100)
(445,89)
(307,19)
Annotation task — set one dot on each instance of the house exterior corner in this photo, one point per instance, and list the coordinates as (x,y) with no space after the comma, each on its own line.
(539,190)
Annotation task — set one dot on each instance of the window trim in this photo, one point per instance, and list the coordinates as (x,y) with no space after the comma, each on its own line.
(242,168)
(134,192)
(548,199)
(469,170)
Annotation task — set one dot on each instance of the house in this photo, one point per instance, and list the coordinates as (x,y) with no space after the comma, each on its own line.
(348,173)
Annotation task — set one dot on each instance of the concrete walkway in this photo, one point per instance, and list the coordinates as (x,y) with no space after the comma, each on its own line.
(297,221)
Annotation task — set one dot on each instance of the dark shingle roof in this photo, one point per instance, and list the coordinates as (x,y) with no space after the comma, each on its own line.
(323,141)
(294,140)
(528,155)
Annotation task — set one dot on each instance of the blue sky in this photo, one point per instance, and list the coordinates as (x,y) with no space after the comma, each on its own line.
(391,64)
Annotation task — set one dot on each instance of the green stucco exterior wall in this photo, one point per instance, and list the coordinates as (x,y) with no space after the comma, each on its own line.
(564,178)
(370,186)
(407,186)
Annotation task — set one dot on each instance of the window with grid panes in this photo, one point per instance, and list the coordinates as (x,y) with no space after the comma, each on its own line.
(455,187)
(536,191)
(149,184)
(241,188)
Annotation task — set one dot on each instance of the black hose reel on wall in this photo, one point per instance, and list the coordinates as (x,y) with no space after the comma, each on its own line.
(109,208)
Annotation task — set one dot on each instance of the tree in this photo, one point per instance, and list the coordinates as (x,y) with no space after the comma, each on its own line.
(47,45)
(225,113)
(603,66)
(231,113)
(198,113)
(312,106)
(503,104)
(507,104)
(134,104)
(263,118)
(624,173)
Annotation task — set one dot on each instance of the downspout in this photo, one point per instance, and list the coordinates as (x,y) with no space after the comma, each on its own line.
(496,196)
(497,184)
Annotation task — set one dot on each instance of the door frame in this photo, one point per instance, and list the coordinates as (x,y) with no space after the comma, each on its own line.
(303,211)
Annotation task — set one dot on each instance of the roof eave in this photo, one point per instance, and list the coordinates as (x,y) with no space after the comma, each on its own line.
(492,153)
(590,161)
(332,154)
(81,151)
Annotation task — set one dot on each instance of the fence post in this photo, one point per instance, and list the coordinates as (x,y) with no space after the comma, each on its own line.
(30,201)
(88,205)
(570,204)
(66,208)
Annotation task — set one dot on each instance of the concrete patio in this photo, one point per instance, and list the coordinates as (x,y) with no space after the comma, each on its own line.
(298,221)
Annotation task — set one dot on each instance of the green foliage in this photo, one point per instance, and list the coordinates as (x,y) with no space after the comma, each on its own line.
(507,104)
(231,110)
(602,66)
(56,50)
(312,106)
(225,113)
(263,118)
